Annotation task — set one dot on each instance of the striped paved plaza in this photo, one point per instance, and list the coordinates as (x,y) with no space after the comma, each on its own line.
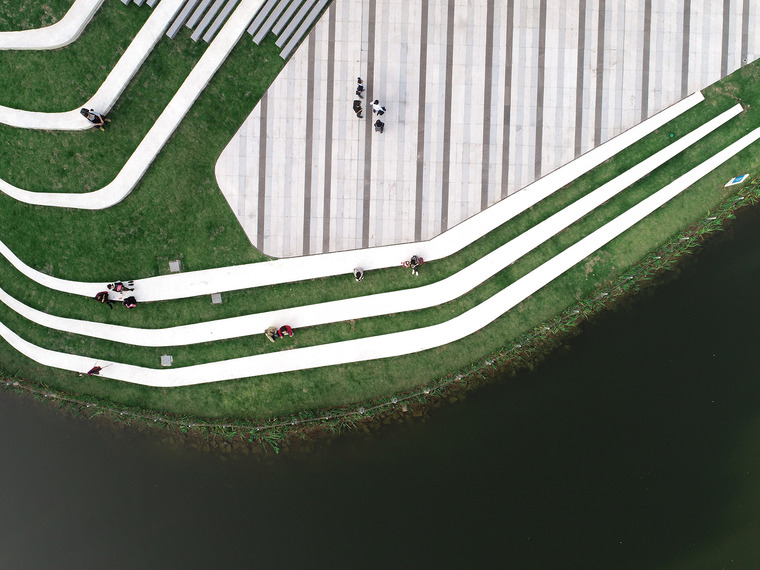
(483,97)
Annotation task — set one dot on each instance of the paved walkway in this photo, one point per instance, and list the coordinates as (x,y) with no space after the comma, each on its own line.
(247,276)
(60,34)
(483,98)
(431,295)
(112,88)
(160,132)
(393,344)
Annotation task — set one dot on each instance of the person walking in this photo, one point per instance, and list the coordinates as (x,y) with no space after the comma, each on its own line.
(359,88)
(379,126)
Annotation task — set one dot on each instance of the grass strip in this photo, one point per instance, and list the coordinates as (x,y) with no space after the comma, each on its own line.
(16,15)
(62,79)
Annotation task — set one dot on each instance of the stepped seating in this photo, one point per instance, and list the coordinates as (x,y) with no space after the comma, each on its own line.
(151,3)
(289,20)
(304,28)
(204,17)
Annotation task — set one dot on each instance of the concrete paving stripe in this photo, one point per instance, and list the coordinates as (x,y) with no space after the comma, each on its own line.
(745,32)
(368,131)
(329,128)
(261,205)
(447,117)
(309,146)
(486,161)
(579,78)
(685,48)
(421,89)
(724,39)
(599,74)
(540,89)
(507,99)
(646,51)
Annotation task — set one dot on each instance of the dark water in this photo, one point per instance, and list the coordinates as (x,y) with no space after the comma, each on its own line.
(636,447)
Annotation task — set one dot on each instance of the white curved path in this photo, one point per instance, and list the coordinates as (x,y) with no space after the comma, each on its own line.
(160,132)
(114,85)
(206,282)
(394,344)
(379,304)
(60,34)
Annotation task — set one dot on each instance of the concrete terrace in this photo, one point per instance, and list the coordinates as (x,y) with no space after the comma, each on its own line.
(453,174)
(483,98)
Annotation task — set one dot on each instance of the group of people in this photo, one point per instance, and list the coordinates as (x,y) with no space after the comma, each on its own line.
(118,287)
(414,263)
(273,333)
(376,106)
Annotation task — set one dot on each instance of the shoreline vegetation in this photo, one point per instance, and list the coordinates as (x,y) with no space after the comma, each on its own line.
(525,352)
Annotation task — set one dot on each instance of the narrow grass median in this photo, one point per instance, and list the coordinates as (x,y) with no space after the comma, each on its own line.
(62,79)
(24,15)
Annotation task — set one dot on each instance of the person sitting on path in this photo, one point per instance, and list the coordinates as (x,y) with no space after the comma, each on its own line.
(119,287)
(130,302)
(377,107)
(271,333)
(379,126)
(95,118)
(358,274)
(102,297)
(285,330)
(359,88)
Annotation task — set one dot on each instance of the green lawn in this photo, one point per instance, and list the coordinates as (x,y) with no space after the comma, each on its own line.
(18,15)
(178,210)
(63,79)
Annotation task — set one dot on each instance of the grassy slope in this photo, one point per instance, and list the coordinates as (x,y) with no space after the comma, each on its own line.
(16,15)
(211,238)
(63,79)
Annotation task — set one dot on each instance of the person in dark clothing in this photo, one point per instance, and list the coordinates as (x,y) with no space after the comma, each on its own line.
(379,126)
(358,108)
(102,297)
(359,87)
(415,263)
(95,370)
(130,302)
(95,118)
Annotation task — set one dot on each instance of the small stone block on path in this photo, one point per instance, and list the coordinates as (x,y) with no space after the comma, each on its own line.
(216,298)
(166,360)
(174,266)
